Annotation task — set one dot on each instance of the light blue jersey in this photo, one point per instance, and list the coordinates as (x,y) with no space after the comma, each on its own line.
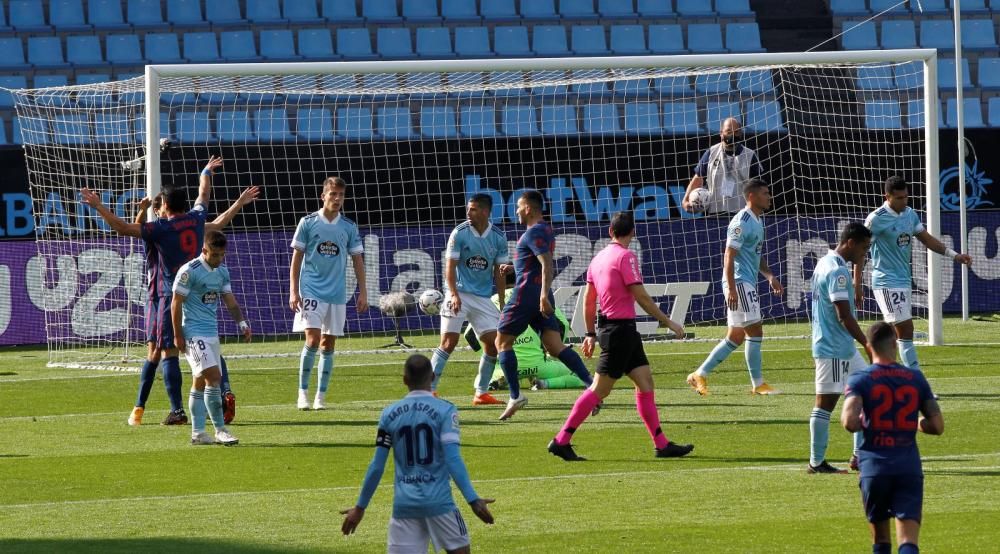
(417,428)
(327,246)
(477,255)
(831,282)
(746,235)
(202,287)
(892,240)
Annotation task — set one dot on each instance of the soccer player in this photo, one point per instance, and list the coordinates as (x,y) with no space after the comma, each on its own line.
(893,226)
(532,302)
(742,262)
(882,403)
(422,432)
(476,249)
(834,329)
(321,245)
(194,307)
(614,280)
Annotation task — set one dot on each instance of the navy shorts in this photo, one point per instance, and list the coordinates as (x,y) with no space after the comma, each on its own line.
(159,326)
(518,315)
(886,496)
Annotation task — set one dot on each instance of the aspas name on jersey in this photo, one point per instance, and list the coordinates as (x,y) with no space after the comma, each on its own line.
(892,245)
(202,287)
(477,255)
(746,236)
(326,246)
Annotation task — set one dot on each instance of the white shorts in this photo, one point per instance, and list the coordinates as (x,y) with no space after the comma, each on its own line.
(412,534)
(202,353)
(747,310)
(831,374)
(895,304)
(480,312)
(329,318)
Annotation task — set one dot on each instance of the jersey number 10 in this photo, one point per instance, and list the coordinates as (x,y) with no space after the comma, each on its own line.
(419,444)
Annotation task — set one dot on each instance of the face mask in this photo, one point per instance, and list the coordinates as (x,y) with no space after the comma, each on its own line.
(732,140)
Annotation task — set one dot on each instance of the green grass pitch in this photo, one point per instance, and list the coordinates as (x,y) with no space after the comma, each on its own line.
(75,477)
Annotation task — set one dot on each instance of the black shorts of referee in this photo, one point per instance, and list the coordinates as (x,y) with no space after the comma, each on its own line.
(621,347)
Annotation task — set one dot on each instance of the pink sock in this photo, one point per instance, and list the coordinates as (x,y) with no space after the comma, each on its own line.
(581,409)
(646,406)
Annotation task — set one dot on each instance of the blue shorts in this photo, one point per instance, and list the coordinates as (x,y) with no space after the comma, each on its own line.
(886,496)
(159,326)
(517,315)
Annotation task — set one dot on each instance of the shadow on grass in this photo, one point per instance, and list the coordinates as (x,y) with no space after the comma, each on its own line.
(306,445)
(165,544)
(803,421)
(7,373)
(965,472)
(971,395)
(13,456)
(331,423)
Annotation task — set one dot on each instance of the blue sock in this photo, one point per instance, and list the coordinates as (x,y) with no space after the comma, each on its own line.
(718,355)
(306,361)
(908,548)
(173,381)
(508,363)
(213,403)
(225,376)
(882,548)
(859,439)
(819,435)
(754,362)
(438,360)
(325,369)
(146,378)
(487,364)
(574,362)
(908,354)
(196,405)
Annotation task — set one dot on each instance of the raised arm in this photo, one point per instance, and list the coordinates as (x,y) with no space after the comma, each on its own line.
(140,215)
(935,245)
(234,311)
(205,180)
(223,219)
(652,308)
(117,224)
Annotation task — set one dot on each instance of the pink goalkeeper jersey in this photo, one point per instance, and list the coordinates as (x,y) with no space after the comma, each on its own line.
(611,272)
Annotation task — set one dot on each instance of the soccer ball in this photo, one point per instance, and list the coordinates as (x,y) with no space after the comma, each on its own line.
(699,199)
(430,301)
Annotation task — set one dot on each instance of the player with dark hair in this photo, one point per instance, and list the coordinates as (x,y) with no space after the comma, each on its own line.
(882,402)
(615,281)
(422,432)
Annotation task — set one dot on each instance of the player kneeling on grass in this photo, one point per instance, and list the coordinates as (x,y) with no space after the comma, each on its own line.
(882,402)
(422,432)
(614,279)
(194,308)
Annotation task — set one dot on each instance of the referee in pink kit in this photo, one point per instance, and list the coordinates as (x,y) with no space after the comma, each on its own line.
(615,282)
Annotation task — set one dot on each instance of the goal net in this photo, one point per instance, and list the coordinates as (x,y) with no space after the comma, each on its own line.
(414,140)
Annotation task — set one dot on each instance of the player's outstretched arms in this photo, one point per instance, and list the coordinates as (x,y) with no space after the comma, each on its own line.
(481,509)
(225,218)
(352,517)
(931,422)
(117,224)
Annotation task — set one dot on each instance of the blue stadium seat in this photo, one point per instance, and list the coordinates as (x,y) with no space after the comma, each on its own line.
(937,33)
(666,39)
(271,125)
(279,45)
(267,12)
(695,8)
(601,119)
(705,38)
(899,33)
(979,34)
(13,50)
(36,129)
(460,11)
(185,13)
(67,16)
(632,88)
(858,35)
(300,12)
(10,82)
(946,74)
(973,7)
(520,121)
(549,41)
(993,112)
(593,90)
(559,120)
(233,126)
(193,127)
(473,42)
(717,112)
(426,86)
(165,127)
(509,84)
(580,9)
(314,124)
(848,8)
(395,43)
(477,121)
(72,129)
(27,16)
(4,27)
(354,123)
(933,7)
(616,9)
(655,9)
(883,115)
(733,8)
(434,42)
(915,114)
(395,123)
(895,7)
(629,40)
(92,78)
(355,44)
(713,83)
(316,44)
(94,98)
(973,113)
(224,13)
(755,82)
(764,116)
(497,11)
(643,118)
(909,75)
(162,48)
(46,81)
(238,46)
(106,15)
(989,73)
(876,77)
(743,37)
(145,14)
(673,86)
(341,12)
(438,122)
(111,128)
(84,51)
(539,10)
(467,79)
(201,47)
(4,141)
(588,40)
(421,11)
(346,86)
(510,42)
(45,52)
(222,98)
(380,11)
(15,133)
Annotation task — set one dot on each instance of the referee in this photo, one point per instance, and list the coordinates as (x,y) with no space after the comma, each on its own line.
(615,282)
